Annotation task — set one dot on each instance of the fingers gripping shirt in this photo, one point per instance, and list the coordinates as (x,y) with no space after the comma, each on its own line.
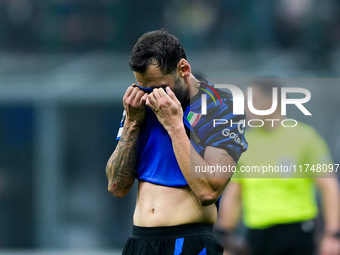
(156,159)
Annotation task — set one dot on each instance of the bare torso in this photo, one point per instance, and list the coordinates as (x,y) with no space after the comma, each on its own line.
(168,206)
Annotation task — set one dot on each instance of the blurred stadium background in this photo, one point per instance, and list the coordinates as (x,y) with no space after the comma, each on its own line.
(64,69)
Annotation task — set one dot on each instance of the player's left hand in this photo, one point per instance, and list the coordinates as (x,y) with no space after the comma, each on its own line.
(166,107)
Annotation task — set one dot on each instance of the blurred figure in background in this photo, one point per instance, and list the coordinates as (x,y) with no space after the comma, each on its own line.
(279,212)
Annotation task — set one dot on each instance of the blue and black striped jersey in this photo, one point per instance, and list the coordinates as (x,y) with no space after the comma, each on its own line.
(219,127)
(156,159)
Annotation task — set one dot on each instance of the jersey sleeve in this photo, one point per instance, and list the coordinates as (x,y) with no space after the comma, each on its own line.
(318,151)
(317,155)
(227,132)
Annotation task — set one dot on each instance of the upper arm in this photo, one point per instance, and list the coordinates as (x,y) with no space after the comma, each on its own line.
(329,183)
(223,163)
(219,157)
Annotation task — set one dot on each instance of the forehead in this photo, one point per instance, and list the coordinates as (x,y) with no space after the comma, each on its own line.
(153,77)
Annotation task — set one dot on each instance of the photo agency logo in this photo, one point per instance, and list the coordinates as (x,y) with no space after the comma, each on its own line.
(240,100)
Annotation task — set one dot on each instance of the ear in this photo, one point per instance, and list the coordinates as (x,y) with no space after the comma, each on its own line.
(183,68)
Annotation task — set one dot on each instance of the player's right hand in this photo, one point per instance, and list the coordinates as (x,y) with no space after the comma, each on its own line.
(134,105)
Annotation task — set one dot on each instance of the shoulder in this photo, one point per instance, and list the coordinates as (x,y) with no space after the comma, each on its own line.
(225,94)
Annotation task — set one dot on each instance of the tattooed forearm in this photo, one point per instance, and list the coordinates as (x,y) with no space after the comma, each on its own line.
(121,167)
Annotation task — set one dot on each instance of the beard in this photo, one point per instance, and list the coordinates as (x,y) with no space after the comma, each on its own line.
(180,89)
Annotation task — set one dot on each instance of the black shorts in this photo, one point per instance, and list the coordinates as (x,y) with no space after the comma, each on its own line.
(189,239)
(292,239)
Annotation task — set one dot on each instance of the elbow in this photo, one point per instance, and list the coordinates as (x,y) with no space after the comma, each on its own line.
(118,194)
(208,198)
(114,190)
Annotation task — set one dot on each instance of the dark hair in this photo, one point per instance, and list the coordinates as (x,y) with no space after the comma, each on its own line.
(157,47)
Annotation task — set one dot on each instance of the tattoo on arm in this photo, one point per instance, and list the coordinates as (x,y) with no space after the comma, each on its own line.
(121,167)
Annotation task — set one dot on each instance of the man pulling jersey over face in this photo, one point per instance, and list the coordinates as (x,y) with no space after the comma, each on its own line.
(174,212)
